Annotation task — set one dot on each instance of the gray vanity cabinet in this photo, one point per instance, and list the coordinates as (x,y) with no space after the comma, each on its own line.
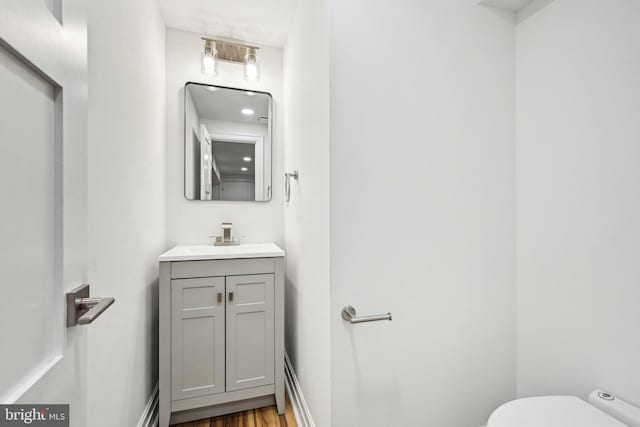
(250,331)
(197,337)
(221,341)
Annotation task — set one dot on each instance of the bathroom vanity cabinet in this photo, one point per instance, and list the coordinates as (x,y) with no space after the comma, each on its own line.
(221,343)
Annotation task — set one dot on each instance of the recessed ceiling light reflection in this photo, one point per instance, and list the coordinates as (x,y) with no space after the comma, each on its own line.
(246,159)
(244,169)
(247,111)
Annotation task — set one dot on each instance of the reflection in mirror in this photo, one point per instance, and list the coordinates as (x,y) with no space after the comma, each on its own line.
(227,145)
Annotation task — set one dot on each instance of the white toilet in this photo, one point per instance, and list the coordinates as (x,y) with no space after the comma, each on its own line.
(603,410)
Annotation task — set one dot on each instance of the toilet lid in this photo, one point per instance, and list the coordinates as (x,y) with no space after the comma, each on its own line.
(550,411)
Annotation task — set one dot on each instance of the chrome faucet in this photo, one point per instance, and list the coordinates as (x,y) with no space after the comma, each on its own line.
(226,239)
(226,232)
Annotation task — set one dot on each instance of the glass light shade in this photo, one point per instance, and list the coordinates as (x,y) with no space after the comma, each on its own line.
(251,66)
(209,60)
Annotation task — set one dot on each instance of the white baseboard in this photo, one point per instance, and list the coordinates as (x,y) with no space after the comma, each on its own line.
(149,417)
(298,404)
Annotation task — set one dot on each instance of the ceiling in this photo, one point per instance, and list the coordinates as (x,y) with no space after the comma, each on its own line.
(229,157)
(226,104)
(264,22)
(511,5)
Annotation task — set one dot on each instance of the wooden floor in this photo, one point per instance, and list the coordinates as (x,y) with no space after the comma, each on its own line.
(263,417)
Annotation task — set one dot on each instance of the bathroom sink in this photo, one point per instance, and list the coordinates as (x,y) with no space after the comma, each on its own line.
(200,250)
(205,252)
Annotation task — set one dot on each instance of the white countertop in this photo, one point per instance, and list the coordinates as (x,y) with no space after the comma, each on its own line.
(205,252)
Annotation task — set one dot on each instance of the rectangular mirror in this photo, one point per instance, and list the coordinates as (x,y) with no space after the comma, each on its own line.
(227,143)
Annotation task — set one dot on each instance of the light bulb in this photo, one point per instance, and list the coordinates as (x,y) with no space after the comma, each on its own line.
(251,71)
(251,66)
(209,59)
(247,111)
(209,65)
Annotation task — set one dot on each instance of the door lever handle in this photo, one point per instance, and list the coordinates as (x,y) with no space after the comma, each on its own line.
(82,309)
(96,306)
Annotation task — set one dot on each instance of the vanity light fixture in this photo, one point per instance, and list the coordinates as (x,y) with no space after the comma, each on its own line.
(247,111)
(246,159)
(209,58)
(219,50)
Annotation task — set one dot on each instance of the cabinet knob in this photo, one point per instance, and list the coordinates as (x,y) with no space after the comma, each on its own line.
(219,297)
(230,296)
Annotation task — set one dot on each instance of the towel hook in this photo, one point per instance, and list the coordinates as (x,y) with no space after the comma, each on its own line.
(287,184)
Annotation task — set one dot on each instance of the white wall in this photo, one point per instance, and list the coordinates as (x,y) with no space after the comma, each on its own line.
(127,202)
(578,205)
(430,237)
(306,76)
(192,221)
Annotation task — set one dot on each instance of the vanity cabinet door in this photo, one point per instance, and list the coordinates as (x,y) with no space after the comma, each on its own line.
(197,337)
(250,331)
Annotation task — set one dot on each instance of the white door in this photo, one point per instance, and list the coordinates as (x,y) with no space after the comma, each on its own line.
(43,196)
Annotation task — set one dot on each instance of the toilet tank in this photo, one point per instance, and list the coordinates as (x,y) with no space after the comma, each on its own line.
(616,407)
